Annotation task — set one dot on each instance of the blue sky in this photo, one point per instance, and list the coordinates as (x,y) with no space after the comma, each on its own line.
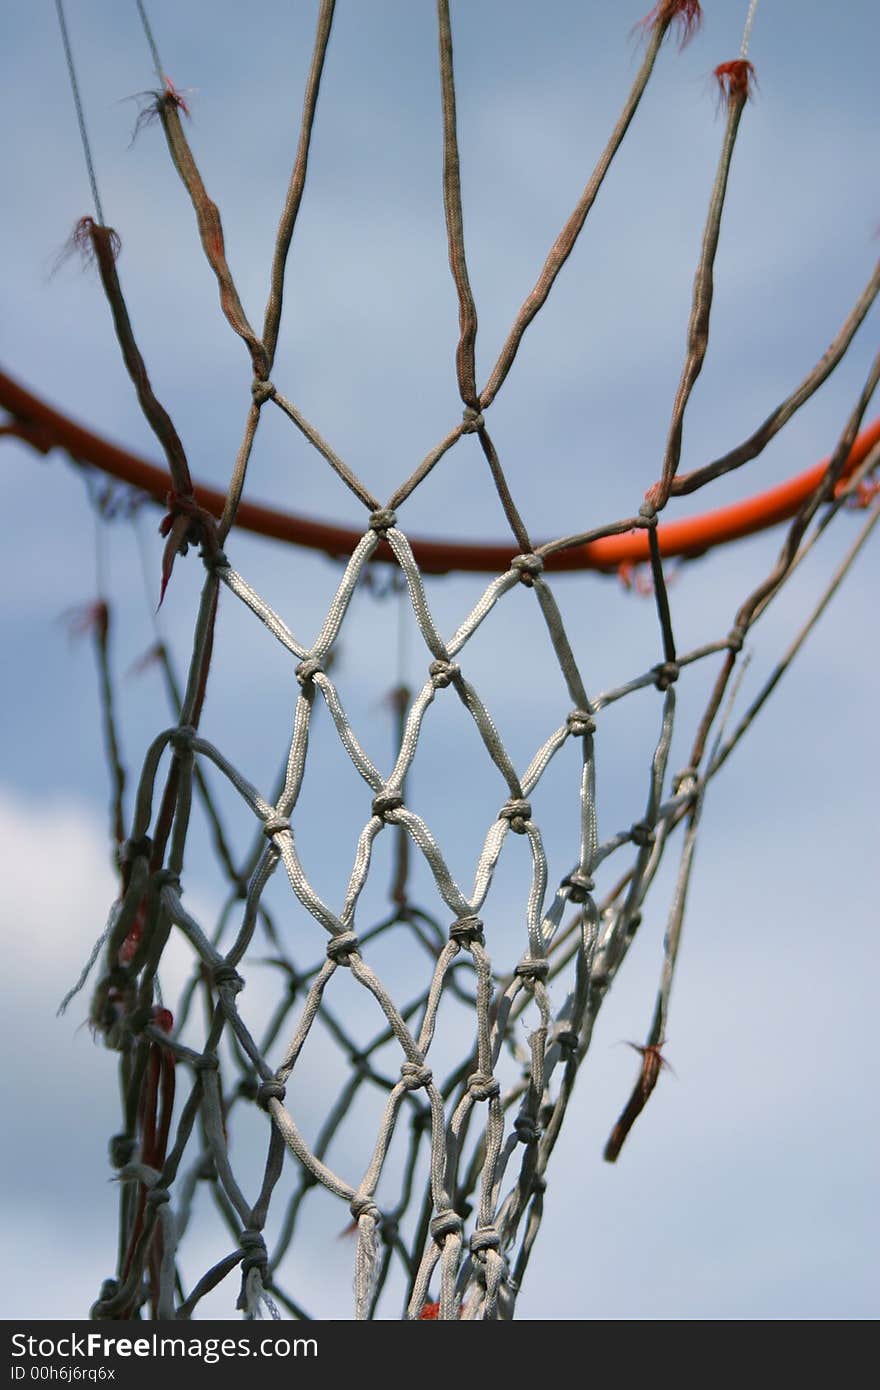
(747,1189)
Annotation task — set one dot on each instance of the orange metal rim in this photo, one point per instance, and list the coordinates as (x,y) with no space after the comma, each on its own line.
(46,428)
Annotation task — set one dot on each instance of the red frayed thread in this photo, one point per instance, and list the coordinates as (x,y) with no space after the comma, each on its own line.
(88,617)
(687,14)
(736,79)
(636,578)
(185,524)
(88,240)
(163,1019)
(174,97)
(863,496)
(153,102)
(151,657)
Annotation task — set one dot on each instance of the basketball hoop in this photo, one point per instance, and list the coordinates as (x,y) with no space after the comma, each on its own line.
(444,1200)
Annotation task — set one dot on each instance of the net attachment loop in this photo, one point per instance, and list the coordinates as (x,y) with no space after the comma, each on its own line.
(270,1090)
(262,391)
(167,878)
(566,1040)
(181,739)
(341,946)
(365,1206)
(133,849)
(414,1075)
(254,1254)
(276,825)
(528,567)
(579,723)
(519,812)
(307,670)
(467,930)
(482,1086)
(214,560)
(579,886)
(446,1223)
(666,674)
(383,519)
(442,673)
(224,976)
(526,1129)
(123,1148)
(642,834)
(533,968)
(685,780)
(485,1238)
(386,802)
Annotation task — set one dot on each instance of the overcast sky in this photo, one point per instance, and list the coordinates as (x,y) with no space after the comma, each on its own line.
(748,1187)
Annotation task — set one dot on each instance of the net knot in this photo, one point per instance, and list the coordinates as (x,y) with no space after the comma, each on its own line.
(182,738)
(666,674)
(207,1062)
(214,560)
(262,391)
(518,811)
(270,1090)
(528,566)
(138,1020)
(307,670)
(275,825)
(579,886)
(122,1149)
(684,780)
(446,1223)
(642,834)
(386,802)
(109,1289)
(735,638)
(382,519)
(364,1206)
(485,1238)
(580,722)
(526,1129)
(166,878)
(140,848)
(158,1196)
(442,673)
(533,968)
(248,1087)
(341,946)
(567,1041)
(389,1229)
(414,1075)
(225,976)
(648,513)
(483,1086)
(198,526)
(253,1250)
(472,420)
(466,930)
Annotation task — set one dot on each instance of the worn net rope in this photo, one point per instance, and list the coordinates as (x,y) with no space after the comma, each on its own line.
(475,1141)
